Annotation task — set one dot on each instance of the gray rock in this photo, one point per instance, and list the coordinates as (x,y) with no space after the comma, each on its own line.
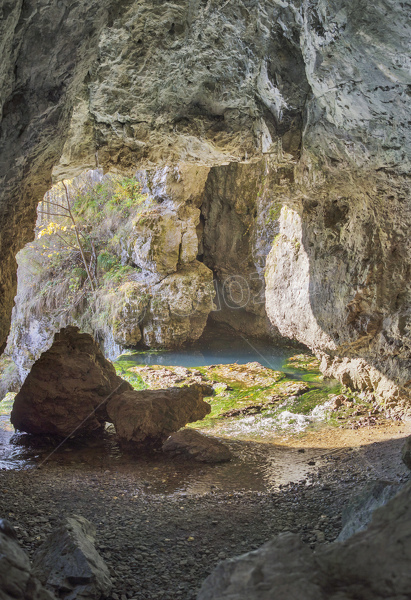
(69,564)
(193,444)
(282,569)
(357,515)
(147,417)
(65,391)
(370,565)
(406,453)
(317,89)
(17,581)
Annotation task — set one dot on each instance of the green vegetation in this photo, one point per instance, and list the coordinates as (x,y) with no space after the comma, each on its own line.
(78,268)
(7,404)
(241,391)
(305,366)
(304,404)
(122,369)
(273,214)
(9,377)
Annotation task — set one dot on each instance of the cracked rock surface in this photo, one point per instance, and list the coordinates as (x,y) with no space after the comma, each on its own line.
(319,88)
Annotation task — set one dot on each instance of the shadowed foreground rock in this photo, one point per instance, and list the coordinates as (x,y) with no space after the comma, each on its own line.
(357,515)
(148,417)
(73,390)
(65,392)
(193,444)
(371,565)
(406,452)
(69,565)
(17,581)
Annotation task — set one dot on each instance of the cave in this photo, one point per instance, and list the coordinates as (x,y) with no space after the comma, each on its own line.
(208,344)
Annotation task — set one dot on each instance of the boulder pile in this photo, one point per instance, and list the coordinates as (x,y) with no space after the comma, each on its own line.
(73,390)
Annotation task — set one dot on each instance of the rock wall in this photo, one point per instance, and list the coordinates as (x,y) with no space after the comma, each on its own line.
(47,49)
(318,87)
(164,301)
(338,273)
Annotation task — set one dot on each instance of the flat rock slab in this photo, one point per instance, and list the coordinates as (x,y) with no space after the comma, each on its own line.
(372,564)
(193,444)
(17,581)
(148,417)
(69,565)
(65,391)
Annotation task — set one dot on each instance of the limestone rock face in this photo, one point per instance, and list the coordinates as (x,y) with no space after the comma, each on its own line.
(17,581)
(147,417)
(193,444)
(337,273)
(157,247)
(65,392)
(320,88)
(238,229)
(370,564)
(169,296)
(68,564)
(179,307)
(47,49)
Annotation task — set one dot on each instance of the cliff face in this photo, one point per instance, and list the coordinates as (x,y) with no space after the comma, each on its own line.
(47,48)
(316,87)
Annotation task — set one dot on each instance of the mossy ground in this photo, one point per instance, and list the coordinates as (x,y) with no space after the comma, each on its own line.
(241,391)
(123,370)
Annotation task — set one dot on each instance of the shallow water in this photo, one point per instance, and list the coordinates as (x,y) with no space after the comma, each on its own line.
(217,347)
(256,466)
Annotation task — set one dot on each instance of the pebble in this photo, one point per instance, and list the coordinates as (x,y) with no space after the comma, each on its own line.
(153,548)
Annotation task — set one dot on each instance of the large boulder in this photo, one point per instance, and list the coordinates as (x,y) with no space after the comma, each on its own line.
(190,443)
(17,581)
(69,565)
(373,564)
(358,513)
(148,417)
(66,390)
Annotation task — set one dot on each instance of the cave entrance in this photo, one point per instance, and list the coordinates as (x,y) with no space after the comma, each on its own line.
(236,238)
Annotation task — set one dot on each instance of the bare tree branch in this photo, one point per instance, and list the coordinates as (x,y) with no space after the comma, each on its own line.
(78,238)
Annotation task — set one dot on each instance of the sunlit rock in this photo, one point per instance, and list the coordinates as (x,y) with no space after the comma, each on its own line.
(179,307)
(158,241)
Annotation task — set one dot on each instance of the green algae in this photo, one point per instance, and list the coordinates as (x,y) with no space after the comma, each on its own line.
(241,391)
(123,370)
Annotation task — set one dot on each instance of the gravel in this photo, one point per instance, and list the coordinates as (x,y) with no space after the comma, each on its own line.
(163,545)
